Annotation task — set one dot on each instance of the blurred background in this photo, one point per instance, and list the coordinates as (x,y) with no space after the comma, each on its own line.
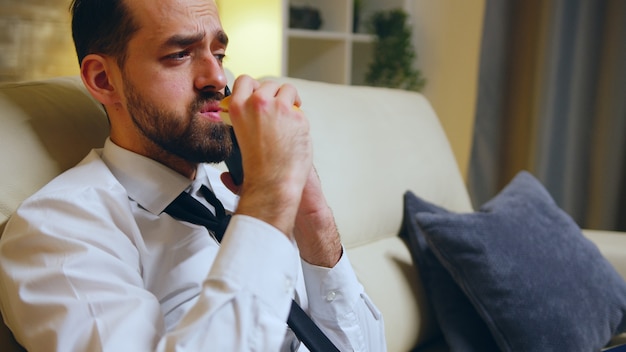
(35,40)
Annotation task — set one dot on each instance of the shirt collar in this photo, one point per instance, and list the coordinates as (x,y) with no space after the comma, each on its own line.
(154,186)
(151,184)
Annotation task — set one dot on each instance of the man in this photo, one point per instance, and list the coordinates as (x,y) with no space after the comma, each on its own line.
(94,261)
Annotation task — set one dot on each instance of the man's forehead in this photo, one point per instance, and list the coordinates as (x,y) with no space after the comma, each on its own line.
(163,17)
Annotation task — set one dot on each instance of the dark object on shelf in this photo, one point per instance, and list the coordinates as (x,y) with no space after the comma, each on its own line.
(304,17)
(356,15)
(394,54)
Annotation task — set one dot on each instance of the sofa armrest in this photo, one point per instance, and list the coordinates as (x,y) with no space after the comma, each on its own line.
(612,244)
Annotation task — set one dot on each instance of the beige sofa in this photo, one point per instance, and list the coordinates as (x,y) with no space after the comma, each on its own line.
(371,145)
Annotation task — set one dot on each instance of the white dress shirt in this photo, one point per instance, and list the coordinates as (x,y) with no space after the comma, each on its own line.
(91,263)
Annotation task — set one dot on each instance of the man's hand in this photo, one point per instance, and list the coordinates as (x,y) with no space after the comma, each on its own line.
(280,185)
(275,148)
(315,231)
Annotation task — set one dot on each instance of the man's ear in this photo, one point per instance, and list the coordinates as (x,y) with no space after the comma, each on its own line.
(97,74)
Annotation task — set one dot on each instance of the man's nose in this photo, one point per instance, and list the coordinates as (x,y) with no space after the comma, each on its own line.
(210,74)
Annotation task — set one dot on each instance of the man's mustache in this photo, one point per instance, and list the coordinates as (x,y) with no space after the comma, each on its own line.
(203,98)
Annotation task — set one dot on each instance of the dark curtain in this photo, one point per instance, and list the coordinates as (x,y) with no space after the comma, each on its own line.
(552,100)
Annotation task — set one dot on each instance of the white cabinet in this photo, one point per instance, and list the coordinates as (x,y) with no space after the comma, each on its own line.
(333,53)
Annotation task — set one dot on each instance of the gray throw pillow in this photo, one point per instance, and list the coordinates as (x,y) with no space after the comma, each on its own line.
(462,327)
(525,266)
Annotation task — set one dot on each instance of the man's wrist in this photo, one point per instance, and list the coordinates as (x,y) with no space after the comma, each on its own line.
(275,205)
(318,238)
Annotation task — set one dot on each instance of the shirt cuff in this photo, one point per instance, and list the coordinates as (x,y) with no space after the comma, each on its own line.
(333,291)
(260,259)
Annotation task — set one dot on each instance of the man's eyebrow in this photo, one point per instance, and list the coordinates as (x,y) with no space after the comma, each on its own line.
(222,37)
(182,40)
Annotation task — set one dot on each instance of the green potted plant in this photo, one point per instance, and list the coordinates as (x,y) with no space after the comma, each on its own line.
(393,55)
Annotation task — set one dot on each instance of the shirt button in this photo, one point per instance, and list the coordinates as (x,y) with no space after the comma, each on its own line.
(288,285)
(331,296)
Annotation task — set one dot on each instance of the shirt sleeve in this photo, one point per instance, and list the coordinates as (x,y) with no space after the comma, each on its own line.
(249,288)
(339,305)
(75,283)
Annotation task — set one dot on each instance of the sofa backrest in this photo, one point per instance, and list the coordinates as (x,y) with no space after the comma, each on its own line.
(46,127)
(373,144)
(370,145)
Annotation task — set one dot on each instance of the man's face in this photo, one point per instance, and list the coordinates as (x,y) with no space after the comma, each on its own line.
(173,78)
(187,135)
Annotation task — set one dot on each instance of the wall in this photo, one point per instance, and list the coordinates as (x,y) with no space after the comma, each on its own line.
(447,36)
(35,40)
(254,29)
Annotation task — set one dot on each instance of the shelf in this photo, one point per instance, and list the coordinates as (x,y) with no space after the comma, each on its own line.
(333,53)
(361,59)
(363,38)
(317,60)
(315,34)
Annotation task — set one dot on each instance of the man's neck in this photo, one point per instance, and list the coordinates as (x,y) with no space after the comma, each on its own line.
(156,153)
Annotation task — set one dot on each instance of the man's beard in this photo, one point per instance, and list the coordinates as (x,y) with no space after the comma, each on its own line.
(190,137)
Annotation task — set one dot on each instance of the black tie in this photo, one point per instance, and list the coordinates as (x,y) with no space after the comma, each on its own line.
(187,208)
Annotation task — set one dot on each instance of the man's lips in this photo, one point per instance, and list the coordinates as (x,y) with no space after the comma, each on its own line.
(211,110)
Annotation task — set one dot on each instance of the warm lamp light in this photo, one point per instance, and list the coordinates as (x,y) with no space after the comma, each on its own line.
(254,29)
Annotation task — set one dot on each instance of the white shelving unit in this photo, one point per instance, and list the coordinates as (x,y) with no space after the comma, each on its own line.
(333,53)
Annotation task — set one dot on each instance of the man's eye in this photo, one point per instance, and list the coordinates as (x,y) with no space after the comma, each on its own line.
(220,57)
(178,56)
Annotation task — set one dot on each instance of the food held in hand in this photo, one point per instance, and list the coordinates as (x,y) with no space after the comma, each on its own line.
(224,110)
(225,115)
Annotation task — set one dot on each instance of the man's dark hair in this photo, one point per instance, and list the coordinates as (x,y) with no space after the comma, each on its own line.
(102,27)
